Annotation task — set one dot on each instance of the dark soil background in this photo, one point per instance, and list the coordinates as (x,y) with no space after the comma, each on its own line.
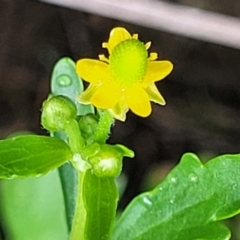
(202,114)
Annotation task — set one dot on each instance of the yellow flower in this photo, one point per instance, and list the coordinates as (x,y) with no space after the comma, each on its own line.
(125,80)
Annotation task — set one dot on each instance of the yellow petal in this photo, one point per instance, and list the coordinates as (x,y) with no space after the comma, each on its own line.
(154,95)
(88,93)
(157,70)
(117,35)
(92,71)
(106,96)
(138,101)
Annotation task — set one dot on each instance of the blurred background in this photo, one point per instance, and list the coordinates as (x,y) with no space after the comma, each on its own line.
(202,114)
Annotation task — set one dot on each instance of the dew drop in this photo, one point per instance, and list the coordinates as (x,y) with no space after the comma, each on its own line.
(64,80)
(160,189)
(193,178)
(171,201)
(147,201)
(173,179)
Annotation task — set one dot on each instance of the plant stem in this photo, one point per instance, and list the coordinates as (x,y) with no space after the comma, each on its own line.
(104,125)
(76,141)
(79,219)
(96,200)
(77,144)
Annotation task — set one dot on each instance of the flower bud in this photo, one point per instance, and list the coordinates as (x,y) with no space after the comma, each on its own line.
(57,110)
(88,125)
(107,162)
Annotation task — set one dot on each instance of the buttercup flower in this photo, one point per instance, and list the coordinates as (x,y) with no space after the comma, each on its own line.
(126,79)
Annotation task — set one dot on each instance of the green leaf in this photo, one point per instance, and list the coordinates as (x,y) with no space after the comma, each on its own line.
(36,203)
(187,205)
(100,201)
(31,155)
(65,81)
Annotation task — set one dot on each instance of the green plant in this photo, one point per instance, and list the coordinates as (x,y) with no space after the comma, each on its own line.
(188,204)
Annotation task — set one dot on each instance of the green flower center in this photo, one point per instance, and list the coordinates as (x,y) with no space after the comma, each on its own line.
(128,62)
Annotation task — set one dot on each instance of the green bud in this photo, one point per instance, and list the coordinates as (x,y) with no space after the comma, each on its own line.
(88,125)
(56,111)
(107,162)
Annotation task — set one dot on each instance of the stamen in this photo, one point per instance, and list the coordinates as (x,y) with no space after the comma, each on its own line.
(135,36)
(148,45)
(153,56)
(104,45)
(103,58)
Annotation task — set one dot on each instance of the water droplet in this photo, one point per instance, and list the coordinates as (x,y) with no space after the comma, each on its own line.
(147,201)
(160,189)
(171,201)
(173,179)
(64,80)
(193,177)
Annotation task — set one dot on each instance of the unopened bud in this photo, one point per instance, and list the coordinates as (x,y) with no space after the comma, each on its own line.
(57,110)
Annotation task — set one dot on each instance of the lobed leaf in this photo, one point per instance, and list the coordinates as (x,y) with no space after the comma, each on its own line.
(31,155)
(187,205)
